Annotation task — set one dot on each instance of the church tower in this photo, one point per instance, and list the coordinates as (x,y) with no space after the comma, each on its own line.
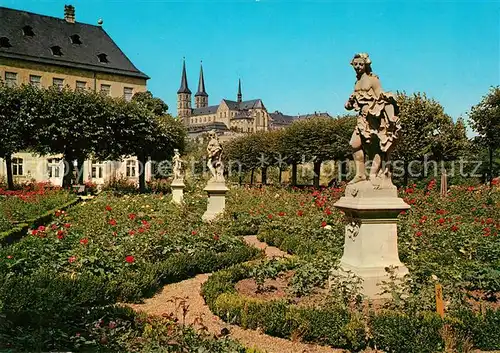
(201,97)
(240,96)
(184,98)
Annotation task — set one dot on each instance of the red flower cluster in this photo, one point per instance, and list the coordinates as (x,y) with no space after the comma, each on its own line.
(112,222)
(108,208)
(130,259)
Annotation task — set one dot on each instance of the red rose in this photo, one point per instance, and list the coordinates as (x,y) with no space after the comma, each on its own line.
(141,230)
(72,259)
(108,208)
(194,232)
(300,213)
(58,213)
(216,237)
(84,241)
(60,234)
(270,216)
(131,232)
(418,234)
(130,259)
(112,222)
(441,220)
(54,226)
(34,232)
(9,256)
(41,229)
(131,216)
(67,225)
(323,224)
(454,228)
(281,214)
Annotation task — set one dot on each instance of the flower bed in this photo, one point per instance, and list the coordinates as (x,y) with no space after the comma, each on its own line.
(108,250)
(452,241)
(33,201)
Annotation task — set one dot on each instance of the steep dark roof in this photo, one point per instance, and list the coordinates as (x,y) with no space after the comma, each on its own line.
(205,110)
(184,83)
(242,115)
(278,118)
(216,125)
(50,31)
(251,104)
(201,85)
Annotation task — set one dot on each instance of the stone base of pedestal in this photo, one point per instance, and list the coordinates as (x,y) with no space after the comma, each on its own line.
(371,239)
(177,187)
(216,200)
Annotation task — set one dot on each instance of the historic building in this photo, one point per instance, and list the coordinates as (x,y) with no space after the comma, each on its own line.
(278,120)
(229,117)
(44,51)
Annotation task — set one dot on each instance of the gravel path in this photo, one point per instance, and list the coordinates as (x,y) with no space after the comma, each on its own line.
(185,301)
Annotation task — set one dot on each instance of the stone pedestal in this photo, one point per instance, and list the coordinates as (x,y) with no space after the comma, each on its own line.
(216,200)
(177,187)
(371,239)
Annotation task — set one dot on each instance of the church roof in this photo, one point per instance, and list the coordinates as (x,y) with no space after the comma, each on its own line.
(201,85)
(243,115)
(205,110)
(278,118)
(96,51)
(251,104)
(216,125)
(184,83)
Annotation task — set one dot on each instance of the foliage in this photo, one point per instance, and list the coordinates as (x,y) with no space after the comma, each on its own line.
(268,269)
(485,118)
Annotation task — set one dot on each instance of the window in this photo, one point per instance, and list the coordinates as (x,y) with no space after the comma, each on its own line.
(81,85)
(103,58)
(131,168)
(58,82)
(54,167)
(17,166)
(75,39)
(105,89)
(28,31)
(36,80)
(56,50)
(4,42)
(127,93)
(10,78)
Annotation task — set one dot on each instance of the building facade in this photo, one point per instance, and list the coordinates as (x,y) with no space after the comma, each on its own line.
(47,51)
(229,117)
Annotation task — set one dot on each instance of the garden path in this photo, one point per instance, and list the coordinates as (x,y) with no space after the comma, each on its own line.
(184,300)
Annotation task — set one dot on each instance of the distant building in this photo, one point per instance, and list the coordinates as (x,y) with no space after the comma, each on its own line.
(278,120)
(47,51)
(227,117)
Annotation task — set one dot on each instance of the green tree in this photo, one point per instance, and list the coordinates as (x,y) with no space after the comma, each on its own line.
(155,105)
(424,126)
(16,123)
(485,120)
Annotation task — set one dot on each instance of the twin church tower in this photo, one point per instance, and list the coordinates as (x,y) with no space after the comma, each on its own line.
(236,116)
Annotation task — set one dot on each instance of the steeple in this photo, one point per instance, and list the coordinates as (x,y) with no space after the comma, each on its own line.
(184,83)
(201,97)
(184,98)
(239,91)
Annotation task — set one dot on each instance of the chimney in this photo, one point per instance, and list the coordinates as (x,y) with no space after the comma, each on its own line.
(69,13)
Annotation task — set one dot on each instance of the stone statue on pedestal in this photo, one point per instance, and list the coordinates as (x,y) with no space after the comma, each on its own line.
(378,126)
(177,166)
(214,152)
(371,205)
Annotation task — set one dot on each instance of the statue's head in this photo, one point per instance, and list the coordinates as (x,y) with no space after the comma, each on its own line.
(176,151)
(212,134)
(361,63)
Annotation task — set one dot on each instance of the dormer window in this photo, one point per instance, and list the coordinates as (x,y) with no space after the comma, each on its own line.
(56,50)
(28,31)
(75,39)
(103,58)
(4,42)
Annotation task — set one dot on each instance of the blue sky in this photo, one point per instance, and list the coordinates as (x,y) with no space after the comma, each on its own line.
(295,55)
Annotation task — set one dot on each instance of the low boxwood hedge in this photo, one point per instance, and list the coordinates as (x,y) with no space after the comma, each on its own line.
(389,330)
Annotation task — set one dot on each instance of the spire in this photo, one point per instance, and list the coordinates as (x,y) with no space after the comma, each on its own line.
(184,83)
(201,84)
(239,91)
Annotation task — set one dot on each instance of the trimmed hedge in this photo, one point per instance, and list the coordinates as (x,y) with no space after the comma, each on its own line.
(392,331)
(21,229)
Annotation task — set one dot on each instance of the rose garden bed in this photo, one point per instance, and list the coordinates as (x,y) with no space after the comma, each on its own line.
(452,241)
(57,281)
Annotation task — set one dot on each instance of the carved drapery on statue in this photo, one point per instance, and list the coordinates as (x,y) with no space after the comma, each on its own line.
(378,126)
(214,152)
(177,166)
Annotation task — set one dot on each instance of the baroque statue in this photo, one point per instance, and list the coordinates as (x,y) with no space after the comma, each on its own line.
(214,152)
(378,126)
(177,165)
